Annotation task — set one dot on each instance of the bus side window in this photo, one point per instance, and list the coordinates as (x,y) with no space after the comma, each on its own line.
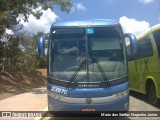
(156,35)
(144,47)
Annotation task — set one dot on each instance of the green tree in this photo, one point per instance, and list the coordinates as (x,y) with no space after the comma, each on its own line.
(13,48)
(10,52)
(41,61)
(11,9)
(27,60)
(30,59)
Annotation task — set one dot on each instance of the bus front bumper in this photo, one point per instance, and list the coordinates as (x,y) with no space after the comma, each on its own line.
(121,104)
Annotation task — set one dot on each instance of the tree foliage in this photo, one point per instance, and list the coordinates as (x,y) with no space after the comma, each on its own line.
(19,51)
(11,9)
(10,52)
(29,59)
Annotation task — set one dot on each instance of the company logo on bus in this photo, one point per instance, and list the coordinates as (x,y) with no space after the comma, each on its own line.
(88,85)
(88,100)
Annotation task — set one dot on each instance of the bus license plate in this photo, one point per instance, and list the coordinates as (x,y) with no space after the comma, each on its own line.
(88,109)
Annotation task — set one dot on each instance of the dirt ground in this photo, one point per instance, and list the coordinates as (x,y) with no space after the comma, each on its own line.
(19,82)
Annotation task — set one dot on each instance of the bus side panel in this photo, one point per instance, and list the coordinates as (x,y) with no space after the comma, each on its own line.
(156,60)
(134,75)
(143,69)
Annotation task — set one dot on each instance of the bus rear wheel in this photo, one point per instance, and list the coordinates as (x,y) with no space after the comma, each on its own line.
(152,94)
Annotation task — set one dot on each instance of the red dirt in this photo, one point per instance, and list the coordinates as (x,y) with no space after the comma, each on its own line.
(19,82)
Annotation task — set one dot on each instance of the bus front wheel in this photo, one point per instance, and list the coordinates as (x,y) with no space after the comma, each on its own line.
(152,94)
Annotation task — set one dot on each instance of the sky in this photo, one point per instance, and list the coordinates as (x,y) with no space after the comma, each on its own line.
(135,16)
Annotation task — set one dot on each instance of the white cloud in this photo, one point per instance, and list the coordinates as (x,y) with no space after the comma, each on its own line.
(40,25)
(78,7)
(133,26)
(146,1)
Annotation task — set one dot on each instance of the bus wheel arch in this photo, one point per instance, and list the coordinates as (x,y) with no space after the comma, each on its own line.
(151,92)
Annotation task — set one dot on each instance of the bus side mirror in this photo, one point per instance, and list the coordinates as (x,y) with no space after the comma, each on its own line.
(41,43)
(131,43)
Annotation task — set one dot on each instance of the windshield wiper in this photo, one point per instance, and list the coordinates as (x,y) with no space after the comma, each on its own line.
(94,60)
(80,66)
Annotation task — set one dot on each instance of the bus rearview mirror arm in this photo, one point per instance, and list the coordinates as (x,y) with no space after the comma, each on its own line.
(133,42)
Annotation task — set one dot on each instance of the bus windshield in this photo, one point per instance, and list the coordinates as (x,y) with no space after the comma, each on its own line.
(78,56)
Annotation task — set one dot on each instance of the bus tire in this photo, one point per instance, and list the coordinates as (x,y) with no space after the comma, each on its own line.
(152,98)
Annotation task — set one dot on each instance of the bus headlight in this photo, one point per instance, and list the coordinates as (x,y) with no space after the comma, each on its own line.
(117,96)
(126,105)
(121,94)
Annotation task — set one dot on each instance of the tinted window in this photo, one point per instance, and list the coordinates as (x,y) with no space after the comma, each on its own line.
(81,57)
(156,36)
(144,47)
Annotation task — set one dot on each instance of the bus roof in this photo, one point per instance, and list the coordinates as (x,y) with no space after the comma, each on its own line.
(152,29)
(86,23)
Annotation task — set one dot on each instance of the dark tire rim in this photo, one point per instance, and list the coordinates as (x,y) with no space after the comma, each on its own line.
(152,95)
